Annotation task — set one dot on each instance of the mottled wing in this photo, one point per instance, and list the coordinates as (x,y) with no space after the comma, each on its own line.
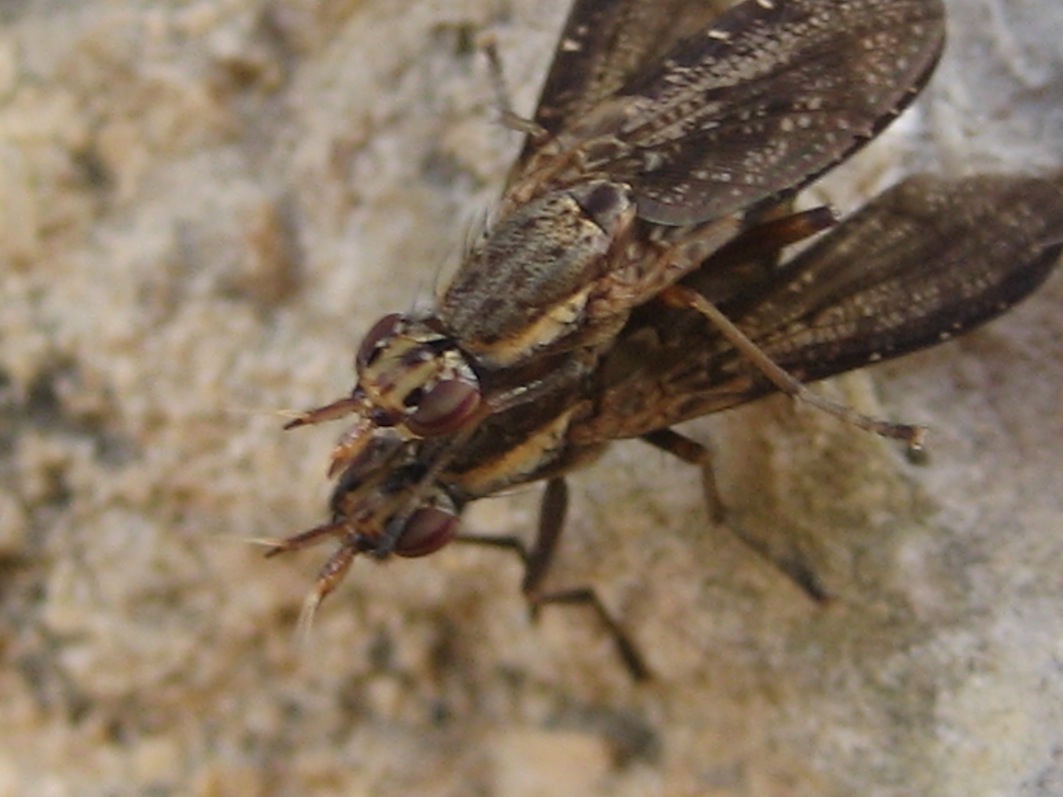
(606,44)
(768,97)
(927,260)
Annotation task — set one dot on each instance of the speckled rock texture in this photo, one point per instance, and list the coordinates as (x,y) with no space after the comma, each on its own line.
(203,205)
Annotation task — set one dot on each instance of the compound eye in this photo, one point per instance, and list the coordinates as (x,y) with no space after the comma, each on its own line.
(382,330)
(427,530)
(448,406)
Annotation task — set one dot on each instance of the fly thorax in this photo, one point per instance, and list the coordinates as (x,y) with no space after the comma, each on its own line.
(413,375)
(526,285)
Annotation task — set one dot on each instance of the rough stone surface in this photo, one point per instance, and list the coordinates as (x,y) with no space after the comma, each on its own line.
(202,207)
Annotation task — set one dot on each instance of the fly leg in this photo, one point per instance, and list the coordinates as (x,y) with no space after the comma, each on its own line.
(696,454)
(679,296)
(537,561)
(509,117)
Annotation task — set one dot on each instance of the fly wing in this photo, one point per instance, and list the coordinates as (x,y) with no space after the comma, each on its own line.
(927,260)
(769,96)
(604,45)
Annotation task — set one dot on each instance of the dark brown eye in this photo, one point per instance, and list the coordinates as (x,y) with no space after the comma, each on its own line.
(381,330)
(445,408)
(427,530)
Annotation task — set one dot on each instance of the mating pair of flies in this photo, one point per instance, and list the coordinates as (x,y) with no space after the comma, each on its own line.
(635,276)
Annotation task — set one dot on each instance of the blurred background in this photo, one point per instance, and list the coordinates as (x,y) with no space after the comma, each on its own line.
(204,205)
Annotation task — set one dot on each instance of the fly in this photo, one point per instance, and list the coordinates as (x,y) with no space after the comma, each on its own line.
(661,129)
(925,261)
(631,278)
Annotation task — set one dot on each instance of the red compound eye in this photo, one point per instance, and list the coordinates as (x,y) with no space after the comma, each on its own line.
(381,330)
(427,530)
(445,408)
